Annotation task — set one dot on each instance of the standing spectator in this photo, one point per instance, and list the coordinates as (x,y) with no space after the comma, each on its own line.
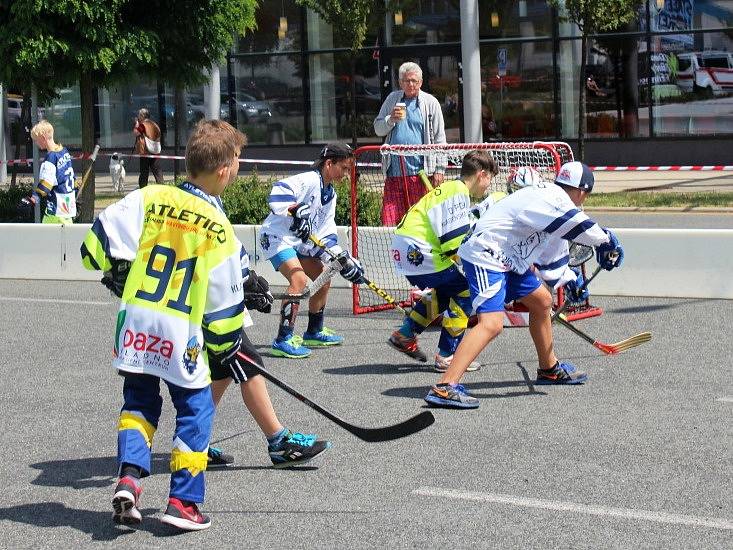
(147,142)
(409,116)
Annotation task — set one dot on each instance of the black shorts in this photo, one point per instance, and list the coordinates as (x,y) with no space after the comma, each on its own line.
(220,372)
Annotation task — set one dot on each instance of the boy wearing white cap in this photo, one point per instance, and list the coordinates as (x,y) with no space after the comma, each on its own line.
(521,237)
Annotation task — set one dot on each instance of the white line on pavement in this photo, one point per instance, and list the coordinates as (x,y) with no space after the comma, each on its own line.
(628,513)
(725,399)
(52,301)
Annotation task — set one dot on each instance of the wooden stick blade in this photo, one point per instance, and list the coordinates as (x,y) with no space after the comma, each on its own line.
(623,345)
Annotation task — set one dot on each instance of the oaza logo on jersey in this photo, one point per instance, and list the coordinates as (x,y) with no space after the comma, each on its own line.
(141,347)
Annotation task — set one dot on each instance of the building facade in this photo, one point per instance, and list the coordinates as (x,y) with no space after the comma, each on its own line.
(666,79)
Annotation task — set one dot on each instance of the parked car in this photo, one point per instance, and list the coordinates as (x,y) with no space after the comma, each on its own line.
(15,106)
(708,73)
(249,108)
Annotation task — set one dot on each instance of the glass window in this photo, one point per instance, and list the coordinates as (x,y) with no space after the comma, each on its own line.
(670,15)
(498,19)
(278,28)
(64,113)
(517,102)
(118,107)
(692,85)
(432,22)
(616,91)
(268,98)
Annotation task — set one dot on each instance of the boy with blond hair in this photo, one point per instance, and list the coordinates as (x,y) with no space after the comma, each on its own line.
(56,179)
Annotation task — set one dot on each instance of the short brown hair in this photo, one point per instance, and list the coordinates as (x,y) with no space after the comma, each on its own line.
(478,160)
(211,145)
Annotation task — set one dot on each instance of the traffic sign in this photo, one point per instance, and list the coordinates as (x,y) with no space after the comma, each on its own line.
(501,57)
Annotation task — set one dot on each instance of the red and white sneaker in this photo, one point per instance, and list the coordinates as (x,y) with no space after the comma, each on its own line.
(185,516)
(126,500)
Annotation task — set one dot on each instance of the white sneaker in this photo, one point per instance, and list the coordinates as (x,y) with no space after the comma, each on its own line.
(442,364)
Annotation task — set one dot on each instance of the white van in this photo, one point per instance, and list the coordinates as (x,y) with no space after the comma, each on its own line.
(709,72)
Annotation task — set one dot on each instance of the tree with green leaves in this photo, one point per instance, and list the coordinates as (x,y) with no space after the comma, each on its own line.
(51,44)
(348,19)
(591,17)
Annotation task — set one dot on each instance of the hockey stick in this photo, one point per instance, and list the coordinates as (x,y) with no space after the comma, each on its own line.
(372,435)
(608,349)
(566,304)
(374,288)
(425,181)
(312,288)
(84,179)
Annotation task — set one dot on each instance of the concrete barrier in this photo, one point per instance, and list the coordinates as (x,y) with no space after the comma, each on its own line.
(687,263)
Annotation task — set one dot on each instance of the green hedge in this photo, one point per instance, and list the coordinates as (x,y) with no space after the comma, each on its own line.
(245,202)
(10,202)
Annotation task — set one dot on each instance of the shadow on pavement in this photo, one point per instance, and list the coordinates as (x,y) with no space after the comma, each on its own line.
(83,473)
(98,525)
(382,368)
(420,392)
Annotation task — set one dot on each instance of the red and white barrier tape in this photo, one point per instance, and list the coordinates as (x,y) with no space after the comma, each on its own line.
(694,168)
(701,168)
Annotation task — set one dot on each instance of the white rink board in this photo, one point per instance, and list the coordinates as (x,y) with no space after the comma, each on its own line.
(684,263)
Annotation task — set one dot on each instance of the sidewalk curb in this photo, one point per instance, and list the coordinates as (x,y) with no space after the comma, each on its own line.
(690,209)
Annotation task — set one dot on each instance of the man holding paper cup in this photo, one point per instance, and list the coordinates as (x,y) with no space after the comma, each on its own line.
(409,116)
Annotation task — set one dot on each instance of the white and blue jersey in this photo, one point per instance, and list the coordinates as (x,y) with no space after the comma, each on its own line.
(308,188)
(56,184)
(531,227)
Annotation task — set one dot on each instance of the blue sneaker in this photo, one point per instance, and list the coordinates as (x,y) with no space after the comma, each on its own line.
(326,337)
(561,373)
(296,448)
(451,396)
(292,347)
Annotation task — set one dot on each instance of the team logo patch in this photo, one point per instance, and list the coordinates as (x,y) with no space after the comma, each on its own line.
(414,256)
(64,206)
(265,241)
(191,355)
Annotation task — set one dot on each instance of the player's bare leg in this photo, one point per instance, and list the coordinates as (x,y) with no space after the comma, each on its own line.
(539,304)
(285,447)
(286,343)
(489,326)
(448,392)
(550,371)
(317,335)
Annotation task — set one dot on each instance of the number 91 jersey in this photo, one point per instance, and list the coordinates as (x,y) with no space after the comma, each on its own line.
(183,293)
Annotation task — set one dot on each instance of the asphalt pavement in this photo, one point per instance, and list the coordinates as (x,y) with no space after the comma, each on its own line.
(640,456)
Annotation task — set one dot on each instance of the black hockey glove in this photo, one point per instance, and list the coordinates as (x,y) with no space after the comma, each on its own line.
(351,269)
(301,226)
(231,360)
(25,207)
(115,278)
(257,293)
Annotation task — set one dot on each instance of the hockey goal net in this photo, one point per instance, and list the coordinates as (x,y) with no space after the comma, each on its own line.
(372,244)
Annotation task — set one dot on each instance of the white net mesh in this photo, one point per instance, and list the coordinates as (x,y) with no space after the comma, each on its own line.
(372,244)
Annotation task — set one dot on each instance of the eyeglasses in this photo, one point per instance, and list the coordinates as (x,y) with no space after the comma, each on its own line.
(410,80)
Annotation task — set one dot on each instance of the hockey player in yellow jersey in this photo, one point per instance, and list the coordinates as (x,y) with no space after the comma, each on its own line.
(423,250)
(181,302)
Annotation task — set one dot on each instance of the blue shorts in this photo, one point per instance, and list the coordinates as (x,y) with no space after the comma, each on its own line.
(283,256)
(490,290)
(288,253)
